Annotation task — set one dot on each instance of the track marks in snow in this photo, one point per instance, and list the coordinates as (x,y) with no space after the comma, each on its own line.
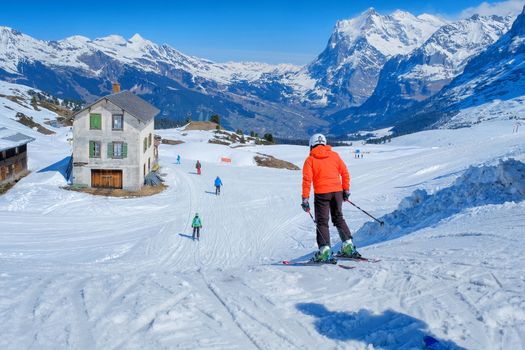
(255,315)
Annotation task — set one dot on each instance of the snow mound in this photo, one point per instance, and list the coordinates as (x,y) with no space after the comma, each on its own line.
(504,182)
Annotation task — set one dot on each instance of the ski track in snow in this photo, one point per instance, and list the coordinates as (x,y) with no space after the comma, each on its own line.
(85,272)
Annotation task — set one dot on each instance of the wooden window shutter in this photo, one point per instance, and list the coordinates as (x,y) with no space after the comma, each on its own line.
(110,150)
(124,150)
(91,149)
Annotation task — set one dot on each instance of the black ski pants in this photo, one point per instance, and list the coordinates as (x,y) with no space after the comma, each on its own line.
(197,231)
(327,204)
(217,190)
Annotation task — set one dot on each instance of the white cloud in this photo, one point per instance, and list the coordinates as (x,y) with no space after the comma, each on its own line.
(503,8)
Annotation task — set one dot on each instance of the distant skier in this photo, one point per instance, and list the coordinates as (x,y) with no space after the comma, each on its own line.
(331,182)
(198,167)
(218,184)
(178,159)
(196,224)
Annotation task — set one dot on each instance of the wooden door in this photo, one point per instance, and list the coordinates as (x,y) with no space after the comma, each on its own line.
(106,178)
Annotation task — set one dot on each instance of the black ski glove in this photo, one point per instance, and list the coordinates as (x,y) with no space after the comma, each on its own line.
(346,195)
(305,205)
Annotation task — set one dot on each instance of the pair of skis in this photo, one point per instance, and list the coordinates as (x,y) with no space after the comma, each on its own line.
(333,261)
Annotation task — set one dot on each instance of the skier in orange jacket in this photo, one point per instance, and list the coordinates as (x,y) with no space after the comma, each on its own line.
(331,180)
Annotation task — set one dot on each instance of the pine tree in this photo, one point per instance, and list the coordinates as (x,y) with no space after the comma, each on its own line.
(268,137)
(215,119)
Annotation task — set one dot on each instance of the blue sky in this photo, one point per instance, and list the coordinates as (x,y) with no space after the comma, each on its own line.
(268,31)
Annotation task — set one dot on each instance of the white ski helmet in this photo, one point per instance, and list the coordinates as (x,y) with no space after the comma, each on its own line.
(317,139)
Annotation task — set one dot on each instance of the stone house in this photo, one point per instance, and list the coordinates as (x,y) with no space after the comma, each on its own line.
(113,145)
(13,155)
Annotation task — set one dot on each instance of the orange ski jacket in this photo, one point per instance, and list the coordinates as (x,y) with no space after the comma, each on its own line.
(326,170)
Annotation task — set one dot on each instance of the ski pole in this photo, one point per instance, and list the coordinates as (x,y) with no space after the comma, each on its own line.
(380,222)
(310,213)
(315,222)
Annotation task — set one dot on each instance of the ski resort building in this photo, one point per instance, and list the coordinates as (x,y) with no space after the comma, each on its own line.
(113,142)
(13,155)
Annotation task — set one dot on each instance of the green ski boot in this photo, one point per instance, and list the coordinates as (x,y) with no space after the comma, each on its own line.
(324,255)
(349,250)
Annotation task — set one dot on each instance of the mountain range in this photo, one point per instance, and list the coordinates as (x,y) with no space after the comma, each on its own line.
(373,70)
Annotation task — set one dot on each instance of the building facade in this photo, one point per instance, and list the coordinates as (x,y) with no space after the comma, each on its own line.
(113,142)
(13,155)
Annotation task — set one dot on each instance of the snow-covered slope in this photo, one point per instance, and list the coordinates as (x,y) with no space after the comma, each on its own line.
(16,98)
(89,272)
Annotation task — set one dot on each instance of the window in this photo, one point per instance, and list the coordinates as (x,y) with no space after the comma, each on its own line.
(117,150)
(117,121)
(95,121)
(94,149)
(149,164)
(149,140)
(145,144)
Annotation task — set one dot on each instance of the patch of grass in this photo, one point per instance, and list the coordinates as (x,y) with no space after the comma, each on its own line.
(201,126)
(15,99)
(219,142)
(268,161)
(29,122)
(171,142)
(109,192)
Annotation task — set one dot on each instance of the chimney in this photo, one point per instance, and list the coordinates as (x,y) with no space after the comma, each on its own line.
(116,87)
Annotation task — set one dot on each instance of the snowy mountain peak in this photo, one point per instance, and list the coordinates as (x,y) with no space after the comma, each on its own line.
(136,37)
(397,33)
(359,47)
(138,40)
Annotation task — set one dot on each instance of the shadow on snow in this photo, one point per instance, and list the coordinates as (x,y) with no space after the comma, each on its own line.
(388,330)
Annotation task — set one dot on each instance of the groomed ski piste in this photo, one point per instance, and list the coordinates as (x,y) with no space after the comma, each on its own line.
(88,272)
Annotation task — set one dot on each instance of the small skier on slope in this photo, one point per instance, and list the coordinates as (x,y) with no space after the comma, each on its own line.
(331,180)
(198,167)
(196,224)
(178,159)
(218,184)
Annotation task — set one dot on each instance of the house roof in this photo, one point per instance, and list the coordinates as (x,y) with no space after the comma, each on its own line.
(132,104)
(10,139)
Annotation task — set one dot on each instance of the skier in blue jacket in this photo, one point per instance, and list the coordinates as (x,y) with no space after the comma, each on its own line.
(218,184)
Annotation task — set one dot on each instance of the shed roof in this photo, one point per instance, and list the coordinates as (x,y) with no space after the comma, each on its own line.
(132,104)
(10,139)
